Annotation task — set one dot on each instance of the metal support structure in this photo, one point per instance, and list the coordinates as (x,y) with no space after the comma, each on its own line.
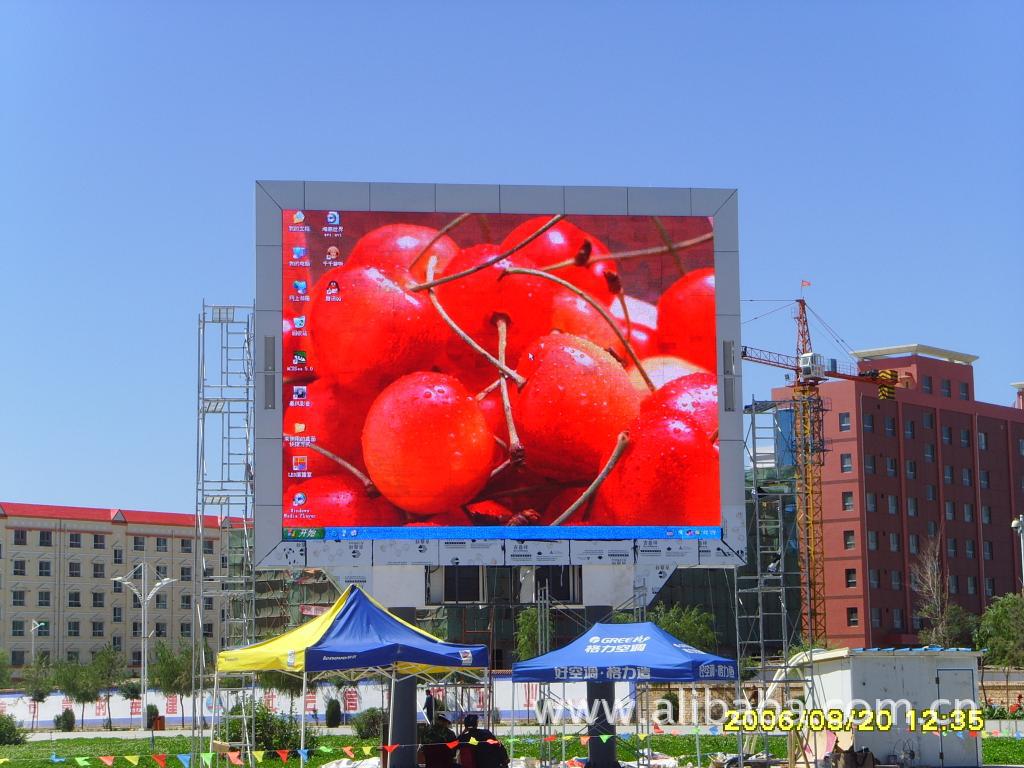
(224,522)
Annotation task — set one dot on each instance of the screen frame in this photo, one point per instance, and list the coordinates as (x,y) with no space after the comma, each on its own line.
(274,197)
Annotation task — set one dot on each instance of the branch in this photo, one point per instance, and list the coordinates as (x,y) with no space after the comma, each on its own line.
(440,233)
(620,447)
(516,452)
(624,255)
(371,489)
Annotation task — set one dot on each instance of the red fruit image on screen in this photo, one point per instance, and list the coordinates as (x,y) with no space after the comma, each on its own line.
(498,370)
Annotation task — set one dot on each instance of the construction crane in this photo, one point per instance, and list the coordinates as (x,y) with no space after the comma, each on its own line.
(809,370)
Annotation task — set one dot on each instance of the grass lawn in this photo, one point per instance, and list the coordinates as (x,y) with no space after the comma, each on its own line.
(999,750)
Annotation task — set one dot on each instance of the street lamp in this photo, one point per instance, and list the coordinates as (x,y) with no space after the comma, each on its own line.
(145,594)
(36,625)
(1018,525)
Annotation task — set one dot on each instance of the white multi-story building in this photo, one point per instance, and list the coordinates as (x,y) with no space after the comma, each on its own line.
(57,592)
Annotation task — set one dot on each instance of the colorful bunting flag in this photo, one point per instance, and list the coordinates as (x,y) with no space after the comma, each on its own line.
(303,754)
(161,760)
(452,744)
(235,758)
(584,740)
(185,759)
(258,754)
(605,736)
(105,759)
(495,741)
(367,751)
(207,758)
(349,751)
(550,738)
(713,730)
(283,754)
(389,748)
(641,736)
(82,760)
(326,749)
(133,759)
(473,740)
(55,759)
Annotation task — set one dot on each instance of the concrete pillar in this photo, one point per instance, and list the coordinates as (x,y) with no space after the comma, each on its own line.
(403,711)
(601,752)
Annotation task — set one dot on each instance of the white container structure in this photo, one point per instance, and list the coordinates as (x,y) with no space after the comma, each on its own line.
(942,679)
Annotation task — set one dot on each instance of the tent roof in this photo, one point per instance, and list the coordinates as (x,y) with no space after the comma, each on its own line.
(356,633)
(638,652)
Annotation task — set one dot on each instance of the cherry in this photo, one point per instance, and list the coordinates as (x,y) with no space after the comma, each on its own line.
(561,502)
(668,475)
(576,400)
(393,248)
(686,319)
(494,412)
(332,420)
(530,490)
(695,395)
(426,443)
(563,242)
(662,369)
(371,329)
(336,501)
(457,516)
(473,301)
(572,314)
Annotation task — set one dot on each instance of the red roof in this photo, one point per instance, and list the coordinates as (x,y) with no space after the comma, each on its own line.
(99,515)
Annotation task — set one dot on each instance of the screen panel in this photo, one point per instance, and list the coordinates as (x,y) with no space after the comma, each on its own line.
(395,425)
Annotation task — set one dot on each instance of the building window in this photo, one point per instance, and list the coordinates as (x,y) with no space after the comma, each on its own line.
(186,601)
(965,438)
(44,599)
(136,629)
(986,514)
(908,429)
(951,547)
(947,435)
(896,579)
(118,614)
(929,492)
(926,384)
(99,571)
(917,623)
(98,599)
(161,544)
(21,537)
(74,629)
(969,549)
(97,629)
(160,629)
(73,656)
(207,546)
(161,601)
(967,476)
(872,540)
(928,420)
(851,578)
(897,618)
(208,603)
(911,506)
(17,628)
(947,474)
(74,570)
(75,540)
(186,573)
(968,513)
(186,629)
(990,587)
(913,543)
(869,464)
(869,424)
(848,540)
(894,542)
(873,578)
(18,567)
(986,550)
(1020,447)
(951,510)
(852,619)
(139,543)
(932,527)
(847,501)
(876,617)
(844,422)
(983,441)
(136,658)
(99,541)
(954,584)
(136,603)
(890,426)
(894,504)
(118,557)
(890,466)
(947,388)
(185,545)
(46,538)
(17,658)
(118,587)
(74,599)
(44,568)
(984,478)
(911,469)
(929,452)
(18,598)
(870,502)
(43,630)
(965,391)
(208,629)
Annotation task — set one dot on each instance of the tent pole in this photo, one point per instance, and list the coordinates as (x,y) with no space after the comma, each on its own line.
(302,714)
(213,708)
(693,692)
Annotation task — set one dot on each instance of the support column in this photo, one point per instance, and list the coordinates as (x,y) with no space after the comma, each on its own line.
(600,699)
(403,711)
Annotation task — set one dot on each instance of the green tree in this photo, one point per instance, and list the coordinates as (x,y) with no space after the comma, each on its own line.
(5,669)
(108,666)
(37,680)
(285,683)
(130,690)
(78,683)
(1001,634)
(691,624)
(171,672)
(948,623)
(526,633)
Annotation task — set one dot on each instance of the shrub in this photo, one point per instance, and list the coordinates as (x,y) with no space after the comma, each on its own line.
(65,721)
(11,731)
(151,714)
(667,707)
(369,724)
(273,731)
(333,715)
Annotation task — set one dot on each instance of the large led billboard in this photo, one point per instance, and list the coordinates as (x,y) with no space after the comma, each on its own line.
(498,376)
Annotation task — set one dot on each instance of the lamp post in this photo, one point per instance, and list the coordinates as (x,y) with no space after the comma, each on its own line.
(35,628)
(145,594)
(1018,525)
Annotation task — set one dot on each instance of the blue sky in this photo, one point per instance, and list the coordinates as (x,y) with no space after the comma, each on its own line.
(876,146)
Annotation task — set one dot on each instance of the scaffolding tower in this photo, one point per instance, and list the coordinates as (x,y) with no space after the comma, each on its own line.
(224,516)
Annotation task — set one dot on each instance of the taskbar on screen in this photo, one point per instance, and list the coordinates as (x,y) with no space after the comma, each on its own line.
(521,533)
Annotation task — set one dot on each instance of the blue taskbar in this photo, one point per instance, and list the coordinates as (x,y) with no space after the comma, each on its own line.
(502,532)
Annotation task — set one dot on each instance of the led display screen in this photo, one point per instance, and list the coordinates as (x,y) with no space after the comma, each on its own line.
(499,376)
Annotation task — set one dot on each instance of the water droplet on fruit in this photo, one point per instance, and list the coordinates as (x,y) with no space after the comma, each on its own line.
(427,394)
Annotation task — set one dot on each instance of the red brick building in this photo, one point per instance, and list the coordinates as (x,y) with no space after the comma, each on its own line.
(932,462)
